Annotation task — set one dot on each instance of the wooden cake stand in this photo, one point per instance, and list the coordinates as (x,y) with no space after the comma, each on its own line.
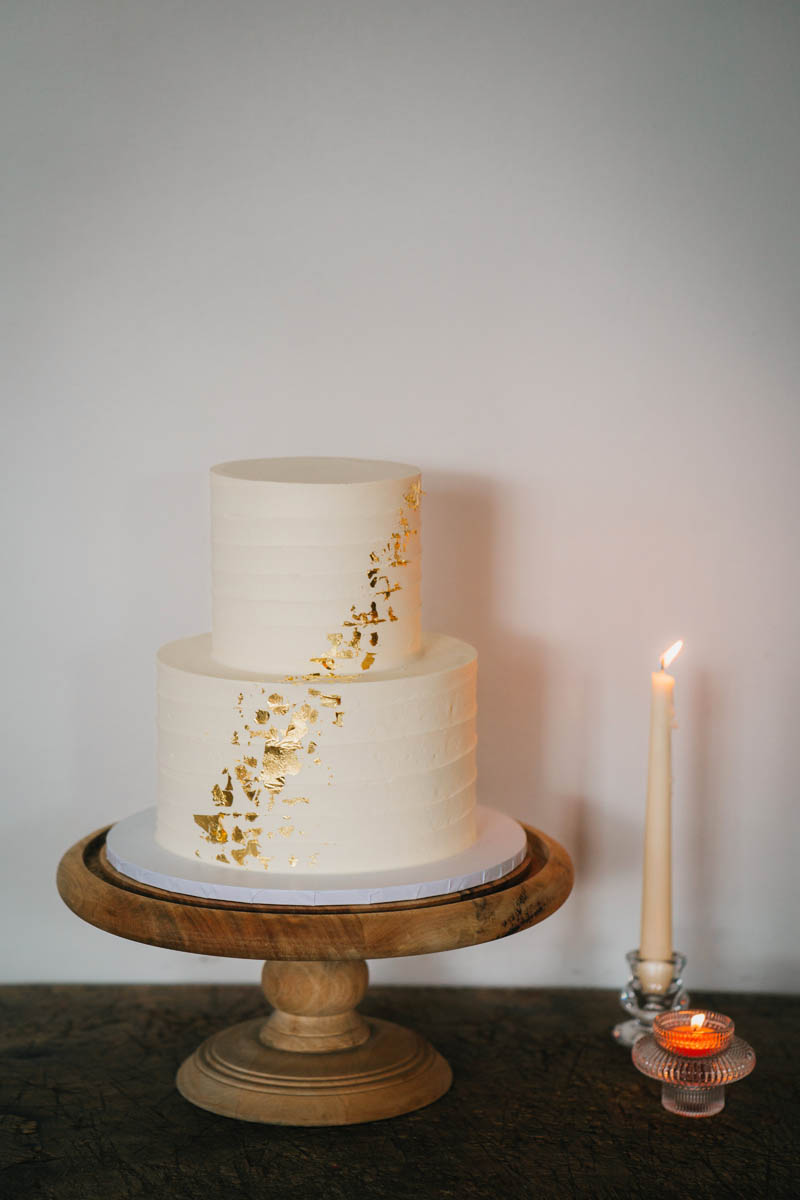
(315,1060)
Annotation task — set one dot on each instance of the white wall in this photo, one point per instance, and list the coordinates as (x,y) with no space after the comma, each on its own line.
(550,252)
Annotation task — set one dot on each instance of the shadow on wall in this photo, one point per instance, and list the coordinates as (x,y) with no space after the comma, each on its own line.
(462,596)
(534,702)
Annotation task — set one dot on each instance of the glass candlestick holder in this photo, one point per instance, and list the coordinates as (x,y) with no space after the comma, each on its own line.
(695,1055)
(653,988)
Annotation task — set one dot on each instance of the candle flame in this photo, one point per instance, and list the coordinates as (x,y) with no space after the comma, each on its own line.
(670,655)
(697,1020)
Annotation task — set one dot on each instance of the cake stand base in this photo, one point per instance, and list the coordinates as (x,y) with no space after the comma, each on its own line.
(314,1060)
(233,1074)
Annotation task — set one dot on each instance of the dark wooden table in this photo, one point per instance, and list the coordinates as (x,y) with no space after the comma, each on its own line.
(543,1105)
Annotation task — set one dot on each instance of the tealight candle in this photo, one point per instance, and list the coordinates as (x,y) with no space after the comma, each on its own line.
(693,1033)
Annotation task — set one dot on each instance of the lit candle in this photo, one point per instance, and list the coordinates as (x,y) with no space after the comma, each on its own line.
(694,1033)
(655,944)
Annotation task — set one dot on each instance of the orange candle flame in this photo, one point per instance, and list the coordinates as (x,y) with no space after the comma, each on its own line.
(670,655)
(697,1020)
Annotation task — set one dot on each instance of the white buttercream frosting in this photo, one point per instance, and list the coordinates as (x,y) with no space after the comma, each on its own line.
(315,561)
(335,775)
(315,727)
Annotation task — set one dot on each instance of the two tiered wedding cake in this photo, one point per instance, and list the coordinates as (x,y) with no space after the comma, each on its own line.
(316,728)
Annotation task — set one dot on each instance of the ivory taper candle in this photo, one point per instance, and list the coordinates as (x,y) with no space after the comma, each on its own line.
(655,944)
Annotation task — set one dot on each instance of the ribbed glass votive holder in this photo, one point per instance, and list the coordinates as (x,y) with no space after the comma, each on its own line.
(695,1055)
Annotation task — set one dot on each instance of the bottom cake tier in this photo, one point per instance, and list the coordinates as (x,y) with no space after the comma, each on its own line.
(317,773)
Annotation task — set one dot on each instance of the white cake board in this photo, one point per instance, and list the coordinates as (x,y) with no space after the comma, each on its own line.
(133,851)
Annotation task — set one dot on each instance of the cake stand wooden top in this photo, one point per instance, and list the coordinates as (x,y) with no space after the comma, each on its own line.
(99,894)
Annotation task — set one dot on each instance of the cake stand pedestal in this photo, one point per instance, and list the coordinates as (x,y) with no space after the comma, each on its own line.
(315,1060)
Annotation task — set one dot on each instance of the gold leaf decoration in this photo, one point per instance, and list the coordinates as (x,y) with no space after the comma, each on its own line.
(213,827)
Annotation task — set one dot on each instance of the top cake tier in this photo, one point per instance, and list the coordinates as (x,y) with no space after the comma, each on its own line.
(316,565)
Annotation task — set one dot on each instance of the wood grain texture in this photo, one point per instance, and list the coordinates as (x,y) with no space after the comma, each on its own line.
(542,1105)
(314,1005)
(105,898)
(235,1075)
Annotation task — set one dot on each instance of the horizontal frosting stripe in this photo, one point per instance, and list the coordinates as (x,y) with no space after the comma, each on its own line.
(295,832)
(370,532)
(364,761)
(379,724)
(336,588)
(355,803)
(265,611)
(311,561)
(404,847)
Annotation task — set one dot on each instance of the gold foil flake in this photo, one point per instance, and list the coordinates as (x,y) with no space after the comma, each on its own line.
(237,834)
(224,799)
(392,617)
(262,716)
(295,800)
(248,783)
(258,733)
(265,861)
(278,704)
(365,618)
(223,858)
(212,825)
(251,762)
(328,663)
(317,761)
(197,853)
(373,557)
(247,816)
(235,738)
(279,761)
(329,701)
(293,860)
(389,588)
(367,661)
(286,830)
(337,720)
(313,859)
(373,638)
(250,849)
(414,494)
(311,747)
(281,753)
(335,639)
